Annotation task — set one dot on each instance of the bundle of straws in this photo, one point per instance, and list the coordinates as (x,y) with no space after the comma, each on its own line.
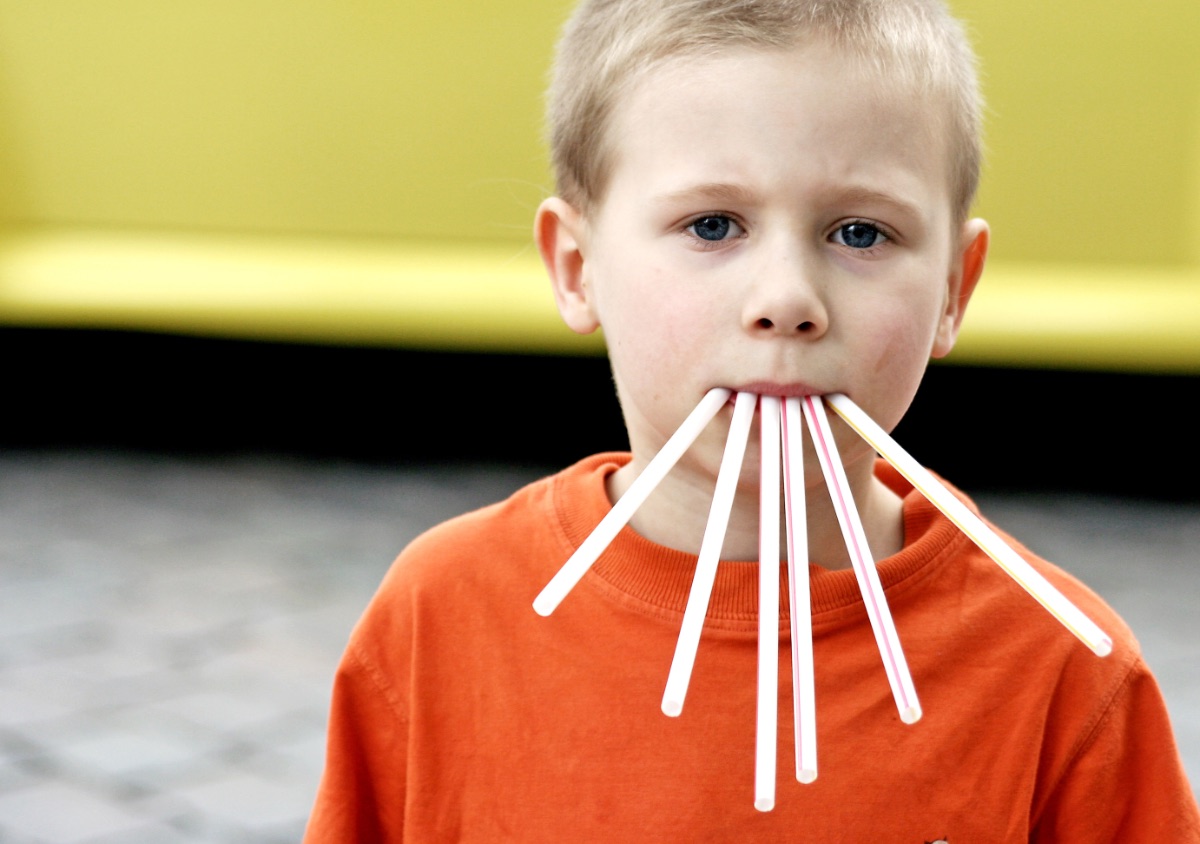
(781,437)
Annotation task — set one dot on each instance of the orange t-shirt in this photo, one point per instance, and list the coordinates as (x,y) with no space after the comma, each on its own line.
(461,715)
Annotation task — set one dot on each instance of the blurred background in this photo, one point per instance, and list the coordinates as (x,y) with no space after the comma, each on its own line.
(319,212)
(255,255)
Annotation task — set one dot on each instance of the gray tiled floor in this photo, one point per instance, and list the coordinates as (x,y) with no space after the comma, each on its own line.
(169,628)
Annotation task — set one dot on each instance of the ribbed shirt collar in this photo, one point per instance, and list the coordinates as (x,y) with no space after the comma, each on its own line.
(661,577)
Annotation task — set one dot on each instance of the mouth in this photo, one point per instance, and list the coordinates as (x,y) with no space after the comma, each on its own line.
(772,388)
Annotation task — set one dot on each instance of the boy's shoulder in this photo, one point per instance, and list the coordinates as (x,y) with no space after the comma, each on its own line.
(473,578)
(965,580)
(527,535)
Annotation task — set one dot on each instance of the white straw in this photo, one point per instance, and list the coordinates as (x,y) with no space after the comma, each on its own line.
(1046,594)
(864,566)
(768,605)
(710,555)
(804,698)
(620,514)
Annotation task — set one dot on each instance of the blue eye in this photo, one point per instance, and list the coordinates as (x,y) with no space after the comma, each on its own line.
(859,236)
(712,228)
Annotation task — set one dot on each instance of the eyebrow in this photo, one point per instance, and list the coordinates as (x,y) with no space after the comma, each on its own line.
(856,195)
(735,194)
(719,192)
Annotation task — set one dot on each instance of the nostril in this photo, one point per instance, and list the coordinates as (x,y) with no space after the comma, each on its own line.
(765,323)
(804,327)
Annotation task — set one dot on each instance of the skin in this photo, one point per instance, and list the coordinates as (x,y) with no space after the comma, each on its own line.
(779,221)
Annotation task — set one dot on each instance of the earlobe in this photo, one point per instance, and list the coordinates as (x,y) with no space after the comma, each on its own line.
(964,277)
(558,232)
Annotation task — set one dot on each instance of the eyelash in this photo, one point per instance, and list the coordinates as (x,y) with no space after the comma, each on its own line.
(885,233)
(709,245)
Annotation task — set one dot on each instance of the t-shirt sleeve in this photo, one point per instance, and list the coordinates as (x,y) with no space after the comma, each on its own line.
(361,797)
(1126,782)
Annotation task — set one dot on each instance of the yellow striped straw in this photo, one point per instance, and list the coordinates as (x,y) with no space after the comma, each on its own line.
(1017,568)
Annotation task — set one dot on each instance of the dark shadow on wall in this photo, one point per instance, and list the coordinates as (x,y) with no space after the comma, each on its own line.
(984,429)
(96,389)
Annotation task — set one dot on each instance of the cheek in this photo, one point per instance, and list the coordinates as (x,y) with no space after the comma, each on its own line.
(657,315)
(899,354)
(899,347)
(683,326)
(904,329)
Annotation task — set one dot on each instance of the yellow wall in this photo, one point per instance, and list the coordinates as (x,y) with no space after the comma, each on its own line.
(352,117)
(144,143)
(1093,130)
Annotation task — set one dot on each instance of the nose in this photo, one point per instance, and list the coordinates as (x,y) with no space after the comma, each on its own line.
(785,301)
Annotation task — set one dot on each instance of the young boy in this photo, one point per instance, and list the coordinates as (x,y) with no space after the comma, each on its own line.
(769,196)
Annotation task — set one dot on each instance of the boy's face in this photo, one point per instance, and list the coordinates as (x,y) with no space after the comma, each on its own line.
(777,221)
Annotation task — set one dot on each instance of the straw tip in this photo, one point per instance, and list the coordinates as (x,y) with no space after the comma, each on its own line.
(1104,647)
(672,708)
(807,775)
(911,714)
(543,607)
(764,804)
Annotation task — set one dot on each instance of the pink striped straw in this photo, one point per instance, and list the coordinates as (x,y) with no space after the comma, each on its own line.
(886,638)
(1057,604)
(804,704)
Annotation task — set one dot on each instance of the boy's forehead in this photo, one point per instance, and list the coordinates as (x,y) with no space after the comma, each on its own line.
(701,118)
(856,77)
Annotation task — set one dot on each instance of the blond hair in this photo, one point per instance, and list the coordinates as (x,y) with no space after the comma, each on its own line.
(607,46)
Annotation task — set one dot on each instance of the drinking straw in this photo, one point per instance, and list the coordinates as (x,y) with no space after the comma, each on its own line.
(710,555)
(768,605)
(864,566)
(620,514)
(804,698)
(1034,583)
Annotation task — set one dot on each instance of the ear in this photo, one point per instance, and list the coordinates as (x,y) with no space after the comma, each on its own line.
(558,232)
(964,276)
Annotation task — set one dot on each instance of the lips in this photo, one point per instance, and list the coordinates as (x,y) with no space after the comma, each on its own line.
(772,388)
